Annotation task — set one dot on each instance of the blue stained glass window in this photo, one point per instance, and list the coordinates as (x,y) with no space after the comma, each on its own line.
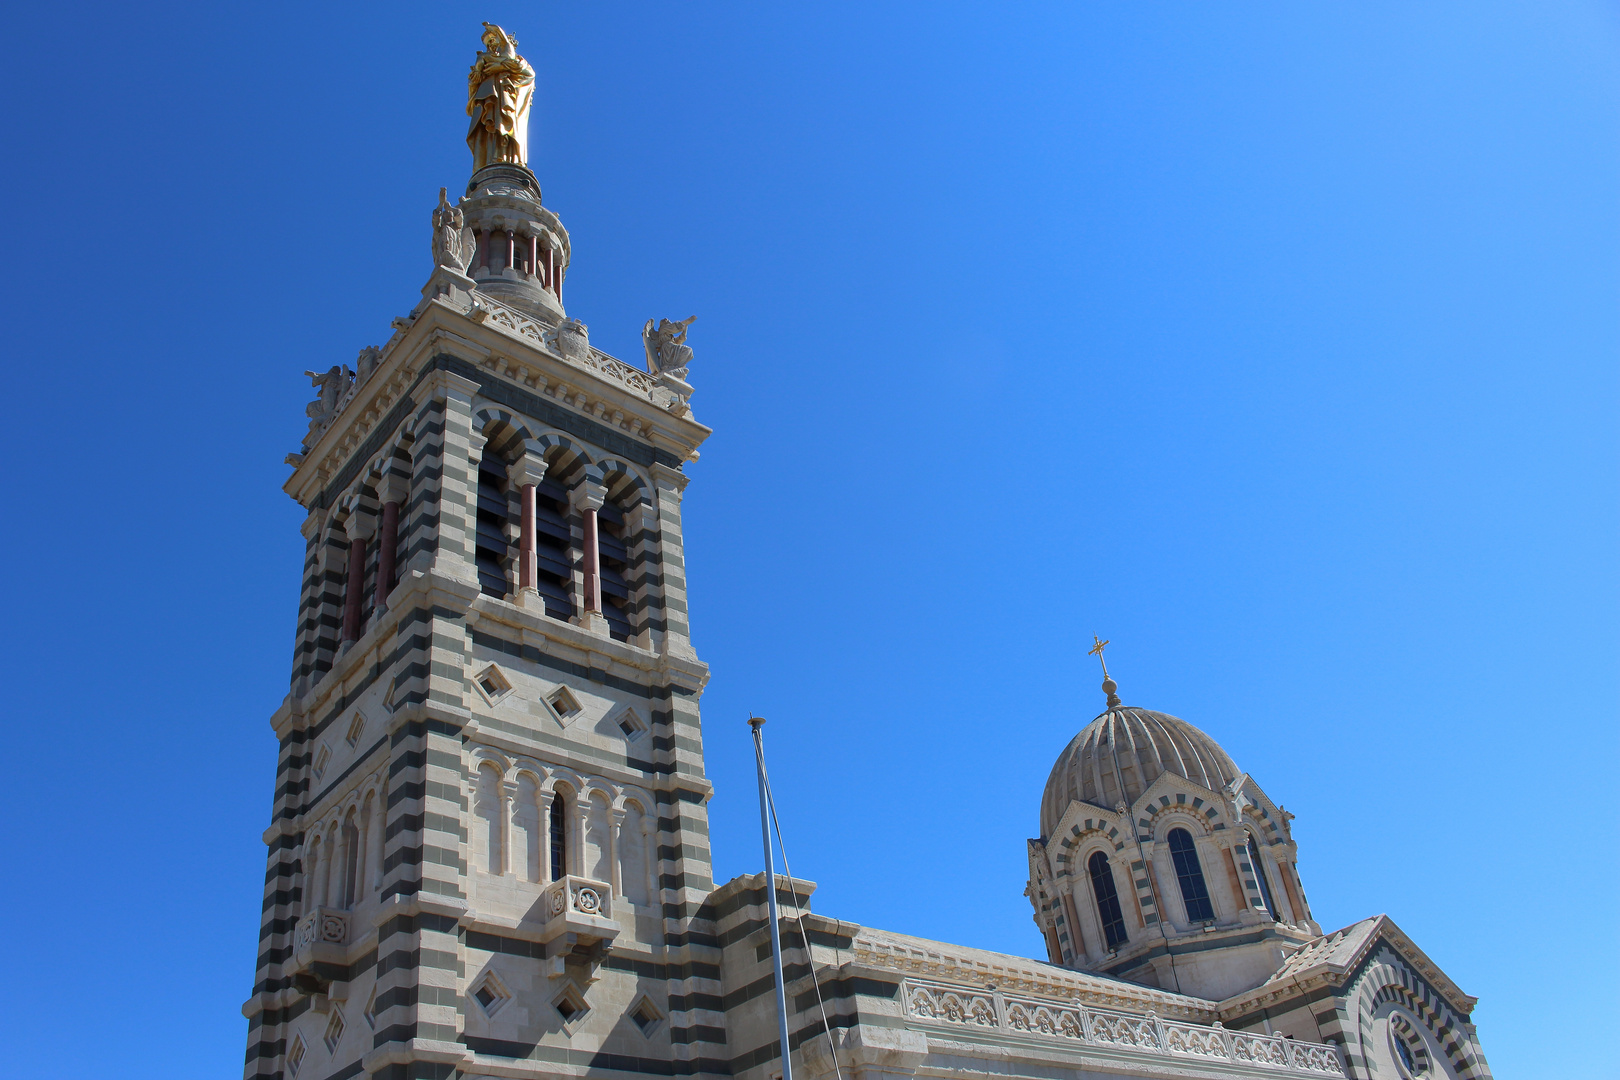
(1102,886)
(1405,1054)
(1191,877)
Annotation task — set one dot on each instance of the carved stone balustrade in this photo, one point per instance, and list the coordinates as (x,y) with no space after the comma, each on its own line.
(969,1009)
(578,906)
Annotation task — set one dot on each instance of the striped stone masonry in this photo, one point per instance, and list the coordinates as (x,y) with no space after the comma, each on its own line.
(388,946)
(488,852)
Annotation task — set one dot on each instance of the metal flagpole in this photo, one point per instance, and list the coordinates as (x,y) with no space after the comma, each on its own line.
(758,722)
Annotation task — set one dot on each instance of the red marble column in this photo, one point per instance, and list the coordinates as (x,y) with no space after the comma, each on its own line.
(593,565)
(526,561)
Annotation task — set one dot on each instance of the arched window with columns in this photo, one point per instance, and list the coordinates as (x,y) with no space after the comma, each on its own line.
(598,845)
(487,813)
(351,858)
(371,825)
(526,839)
(553,537)
(490,542)
(330,870)
(1190,876)
(626,539)
(557,831)
(312,875)
(1107,897)
(617,605)
(633,862)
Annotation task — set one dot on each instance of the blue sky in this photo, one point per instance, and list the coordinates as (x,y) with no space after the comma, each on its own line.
(1274,342)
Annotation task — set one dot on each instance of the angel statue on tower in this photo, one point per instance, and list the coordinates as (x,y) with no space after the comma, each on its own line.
(667,350)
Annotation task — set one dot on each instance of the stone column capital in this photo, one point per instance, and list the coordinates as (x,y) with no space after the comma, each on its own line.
(588,495)
(393,488)
(530,468)
(361,524)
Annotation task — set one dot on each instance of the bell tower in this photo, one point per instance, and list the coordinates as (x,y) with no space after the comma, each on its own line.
(488,848)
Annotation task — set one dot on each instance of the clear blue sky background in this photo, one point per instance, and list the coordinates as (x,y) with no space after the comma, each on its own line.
(1275,342)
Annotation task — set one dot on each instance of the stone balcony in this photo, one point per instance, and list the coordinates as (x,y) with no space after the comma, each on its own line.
(578,906)
(320,940)
(970,1011)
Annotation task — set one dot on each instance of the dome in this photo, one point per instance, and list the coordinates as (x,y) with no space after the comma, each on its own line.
(1147,743)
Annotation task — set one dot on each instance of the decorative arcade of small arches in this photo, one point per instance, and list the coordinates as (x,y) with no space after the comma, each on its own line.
(537,823)
(342,854)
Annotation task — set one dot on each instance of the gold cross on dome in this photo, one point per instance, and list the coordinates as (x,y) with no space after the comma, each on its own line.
(1097,651)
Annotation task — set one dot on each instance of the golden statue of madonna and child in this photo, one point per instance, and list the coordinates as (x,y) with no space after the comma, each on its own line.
(500,89)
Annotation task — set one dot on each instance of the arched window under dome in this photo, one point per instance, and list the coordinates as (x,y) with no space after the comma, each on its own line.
(1102,887)
(1260,877)
(1190,876)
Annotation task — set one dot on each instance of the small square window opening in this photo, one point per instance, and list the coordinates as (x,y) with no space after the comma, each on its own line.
(492,684)
(570,1005)
(631,724)
(490,994)
(564,702)
(334,1030)
(646,1017)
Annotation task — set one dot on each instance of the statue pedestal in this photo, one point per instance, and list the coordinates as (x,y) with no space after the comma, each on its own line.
(452,285)
(504,178)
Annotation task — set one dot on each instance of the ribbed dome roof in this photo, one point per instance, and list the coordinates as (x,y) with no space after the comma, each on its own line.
(1144,744)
